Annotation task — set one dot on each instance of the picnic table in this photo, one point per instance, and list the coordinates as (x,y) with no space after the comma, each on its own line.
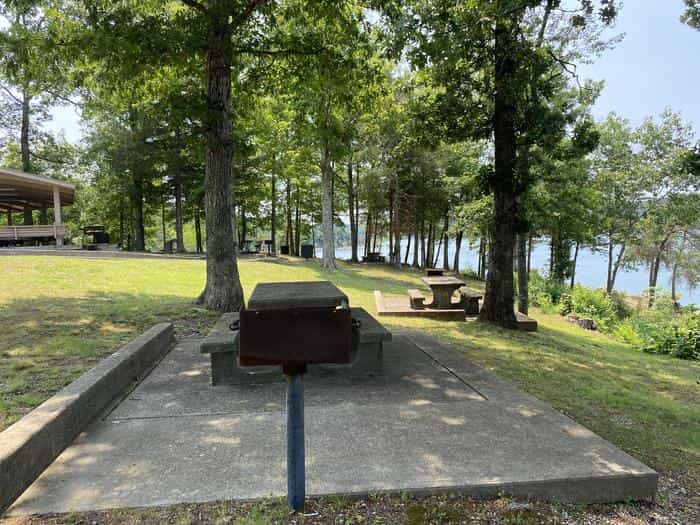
(443,287)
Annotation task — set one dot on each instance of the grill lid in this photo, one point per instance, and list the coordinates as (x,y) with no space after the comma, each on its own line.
(296,295)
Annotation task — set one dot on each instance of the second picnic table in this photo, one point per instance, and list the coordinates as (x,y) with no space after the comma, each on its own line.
(443,287)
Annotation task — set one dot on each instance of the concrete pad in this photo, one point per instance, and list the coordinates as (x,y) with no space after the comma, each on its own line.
(401,307)
(433,421)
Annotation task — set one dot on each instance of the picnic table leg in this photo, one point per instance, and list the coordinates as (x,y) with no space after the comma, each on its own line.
(296,482)
(442,298)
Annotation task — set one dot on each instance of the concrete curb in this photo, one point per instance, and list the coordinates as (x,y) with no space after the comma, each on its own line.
(33,442)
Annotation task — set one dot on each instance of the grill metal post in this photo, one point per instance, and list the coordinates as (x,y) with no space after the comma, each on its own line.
(296,475)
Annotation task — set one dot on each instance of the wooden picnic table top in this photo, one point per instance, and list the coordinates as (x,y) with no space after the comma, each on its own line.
(442,280)
(292,295)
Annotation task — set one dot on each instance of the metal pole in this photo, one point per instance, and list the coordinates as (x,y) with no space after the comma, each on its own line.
(296,477)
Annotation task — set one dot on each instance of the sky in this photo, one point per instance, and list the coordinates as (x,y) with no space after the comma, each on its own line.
(657,65)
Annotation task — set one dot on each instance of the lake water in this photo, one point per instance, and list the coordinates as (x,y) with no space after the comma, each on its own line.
(591,269)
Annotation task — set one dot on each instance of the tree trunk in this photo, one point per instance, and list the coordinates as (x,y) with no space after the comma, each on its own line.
(137,205)
(327,209)
(674,271)
(654,272)
(198,230)
(297,225)
(573,265)
(498,299)
(288,217)
(351,214)
(416,239)
(529,255)
(273,215)
(223,291)
(612,272)
(608,281)
(523,277)
(396,227)
(162,222)
(243,235)
(179,234)
(408,249)
(24,147)
(445,254)
(458,247)
(480,258)
(121,222)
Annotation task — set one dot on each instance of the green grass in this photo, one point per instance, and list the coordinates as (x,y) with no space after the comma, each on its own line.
(59,316)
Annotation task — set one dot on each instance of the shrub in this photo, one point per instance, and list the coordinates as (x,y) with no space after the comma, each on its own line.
(566,304)
(679,338)
(595,304)
(545,293)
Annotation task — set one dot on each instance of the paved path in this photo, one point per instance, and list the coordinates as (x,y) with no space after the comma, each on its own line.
(433,421)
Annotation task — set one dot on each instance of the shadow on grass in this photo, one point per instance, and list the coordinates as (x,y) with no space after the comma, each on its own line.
(648,405)
(47,343)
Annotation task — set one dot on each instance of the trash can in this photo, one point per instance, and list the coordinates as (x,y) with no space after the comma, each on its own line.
(307,251)
(284,249)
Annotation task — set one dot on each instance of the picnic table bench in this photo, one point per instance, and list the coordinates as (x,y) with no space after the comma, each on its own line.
(373,257)
(416,298)
(434,272)
(222,345)
(470,301)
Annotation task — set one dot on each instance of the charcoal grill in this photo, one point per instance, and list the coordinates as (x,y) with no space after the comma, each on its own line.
(296,324)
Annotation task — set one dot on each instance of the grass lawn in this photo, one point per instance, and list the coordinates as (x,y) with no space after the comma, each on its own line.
(60,315)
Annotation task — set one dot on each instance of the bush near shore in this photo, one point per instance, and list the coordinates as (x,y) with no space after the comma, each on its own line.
(664,328)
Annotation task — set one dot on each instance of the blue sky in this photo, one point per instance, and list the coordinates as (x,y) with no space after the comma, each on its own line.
(655,66)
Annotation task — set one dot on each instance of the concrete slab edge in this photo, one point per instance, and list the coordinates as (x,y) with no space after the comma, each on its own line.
(584,490)
(30,445)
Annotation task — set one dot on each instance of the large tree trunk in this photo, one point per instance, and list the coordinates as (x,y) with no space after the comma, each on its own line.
(523,278)
(223,291)
(498,299)
(327,209)
(179,235)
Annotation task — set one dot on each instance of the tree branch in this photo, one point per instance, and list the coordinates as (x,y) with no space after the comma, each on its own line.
(195,5)
(276,52)
(6,90)
(61,97)
(251,6)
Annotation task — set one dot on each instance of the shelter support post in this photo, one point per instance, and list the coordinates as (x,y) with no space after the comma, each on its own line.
(57,214)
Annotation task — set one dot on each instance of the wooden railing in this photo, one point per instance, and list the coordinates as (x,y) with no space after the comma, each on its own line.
(17,233)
